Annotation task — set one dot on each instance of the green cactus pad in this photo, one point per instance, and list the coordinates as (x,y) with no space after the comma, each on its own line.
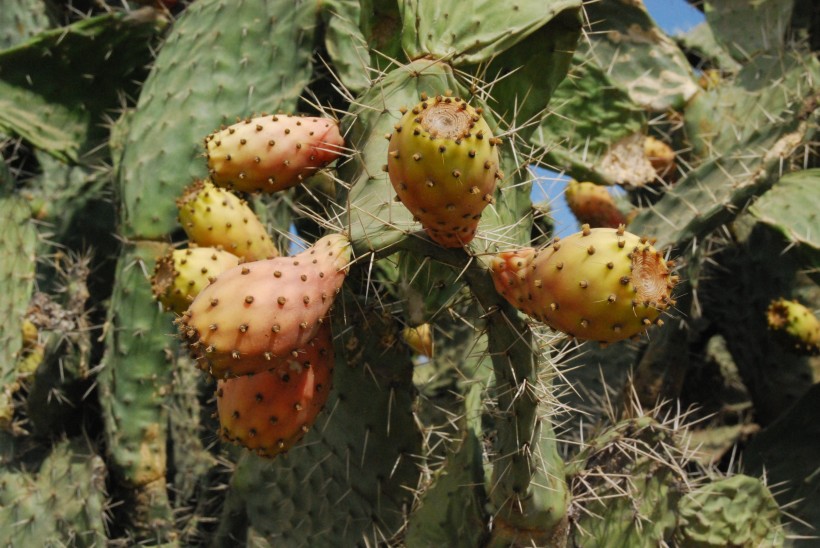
(21,20)
(353,476)
(17,278)
(791,207)
(257,58)
(638,56)
(746,29)
(64,503)
(134,384)
(58,107)
(735,511)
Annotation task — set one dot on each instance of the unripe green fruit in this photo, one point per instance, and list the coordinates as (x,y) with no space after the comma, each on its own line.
(180,275)
(443,164)
(215,217)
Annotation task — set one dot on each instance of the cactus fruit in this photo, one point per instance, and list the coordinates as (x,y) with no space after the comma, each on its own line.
(599,284)
(181,274)
(593,204)
(212,216)
(271,410)
(509,270)
(419,339)
(443,164)
(735,511)
(661,156)
(265,309)
(271,153)
(795,326)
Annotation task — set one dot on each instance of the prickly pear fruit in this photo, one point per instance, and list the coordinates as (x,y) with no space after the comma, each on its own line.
(271,410)
(271,153)
(212,216)
(420,339)
(509,271)
(443,164)
(661,156)
(593,204)
(599,284)
(795,326)
(180,275)
(264,309)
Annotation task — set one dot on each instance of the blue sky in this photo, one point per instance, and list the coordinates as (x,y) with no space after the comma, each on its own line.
(673,16)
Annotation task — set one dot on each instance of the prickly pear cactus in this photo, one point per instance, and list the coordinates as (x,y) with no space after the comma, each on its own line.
(277,264)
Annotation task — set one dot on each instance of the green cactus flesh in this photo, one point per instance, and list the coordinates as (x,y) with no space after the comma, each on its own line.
(193,89)
(59,107)
(735,511)
(63,503)
(443,164)
(214,217)
(262,310)
(17,277)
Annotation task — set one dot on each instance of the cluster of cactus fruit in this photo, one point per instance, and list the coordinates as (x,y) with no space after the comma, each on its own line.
(393,344)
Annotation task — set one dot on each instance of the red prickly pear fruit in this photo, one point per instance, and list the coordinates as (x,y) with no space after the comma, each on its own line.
(268,412)
(509,270)
(262,310)
(599,284)
(181,274)
(593,205)
(419,339)
(215,217)
(271,153)
(794,326)
(443,164)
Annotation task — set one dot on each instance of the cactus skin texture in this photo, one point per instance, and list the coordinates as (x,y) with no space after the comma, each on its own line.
(593,204)
(270,411)
(265,309)
(181,274)
(271,153)
(598,284)
(443,164)
(735,511)
(795,326)
(212,216)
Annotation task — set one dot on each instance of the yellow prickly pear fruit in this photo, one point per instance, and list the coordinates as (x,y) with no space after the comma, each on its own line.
(443,164)
(593,204)
(599,284)
(795,326)
(180,275)
(661,156)
(420,339)
(215,217)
